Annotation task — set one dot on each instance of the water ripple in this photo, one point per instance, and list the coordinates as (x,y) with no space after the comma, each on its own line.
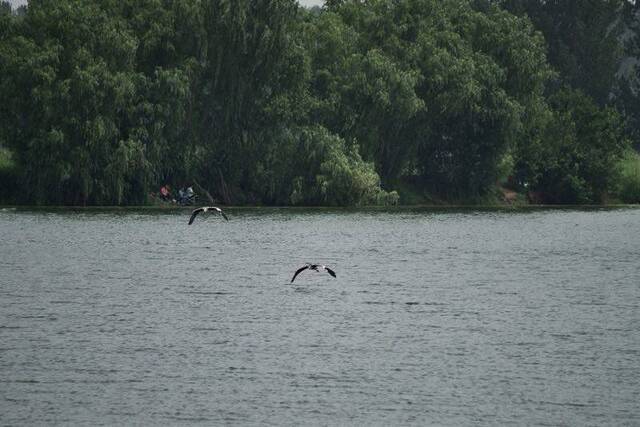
(436,317)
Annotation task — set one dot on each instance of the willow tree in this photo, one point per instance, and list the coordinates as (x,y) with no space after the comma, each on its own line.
(251,80)
(95,101)
(583,40)
(429,89)
(70,69)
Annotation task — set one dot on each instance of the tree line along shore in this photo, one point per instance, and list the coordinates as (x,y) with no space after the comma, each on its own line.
(376,102)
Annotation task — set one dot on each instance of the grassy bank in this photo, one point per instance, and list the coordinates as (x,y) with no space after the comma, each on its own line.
(629,187)
(411,195)
(232,210)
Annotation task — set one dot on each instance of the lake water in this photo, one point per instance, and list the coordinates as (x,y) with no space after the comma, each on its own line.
(436,317)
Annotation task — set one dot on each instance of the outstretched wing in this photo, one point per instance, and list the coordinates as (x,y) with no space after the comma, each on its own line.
(222,213)
(194,214)
(301,269)
(330,271)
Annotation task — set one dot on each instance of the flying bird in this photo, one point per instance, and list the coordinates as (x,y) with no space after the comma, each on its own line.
(205,209)
(314,267)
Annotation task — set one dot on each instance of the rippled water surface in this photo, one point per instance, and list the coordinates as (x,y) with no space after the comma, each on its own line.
(435,317)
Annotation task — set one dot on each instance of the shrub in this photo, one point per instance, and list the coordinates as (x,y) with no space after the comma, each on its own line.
(311,166)
(582,146)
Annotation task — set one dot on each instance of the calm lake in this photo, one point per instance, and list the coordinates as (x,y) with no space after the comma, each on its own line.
(448,317)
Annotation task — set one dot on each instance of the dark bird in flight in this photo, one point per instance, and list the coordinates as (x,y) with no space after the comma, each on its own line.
(205,209)
(314,267)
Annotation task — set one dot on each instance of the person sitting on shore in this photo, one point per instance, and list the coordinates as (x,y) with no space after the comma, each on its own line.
(165,194)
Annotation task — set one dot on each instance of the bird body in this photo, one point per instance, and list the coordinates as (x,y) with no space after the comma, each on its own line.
(205,209)
(314,267)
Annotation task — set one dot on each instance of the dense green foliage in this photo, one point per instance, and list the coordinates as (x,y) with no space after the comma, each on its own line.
(629,190)
(264,102)
(582,38)
(583,145)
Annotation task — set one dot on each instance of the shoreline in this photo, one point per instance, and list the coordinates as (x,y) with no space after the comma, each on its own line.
(336,208)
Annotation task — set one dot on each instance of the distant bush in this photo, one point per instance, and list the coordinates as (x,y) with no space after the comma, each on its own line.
(346,180)
(629,186)
(313,167)
(582,146)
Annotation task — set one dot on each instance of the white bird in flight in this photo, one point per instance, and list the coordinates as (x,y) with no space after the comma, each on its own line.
(205,209)
(314,267)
